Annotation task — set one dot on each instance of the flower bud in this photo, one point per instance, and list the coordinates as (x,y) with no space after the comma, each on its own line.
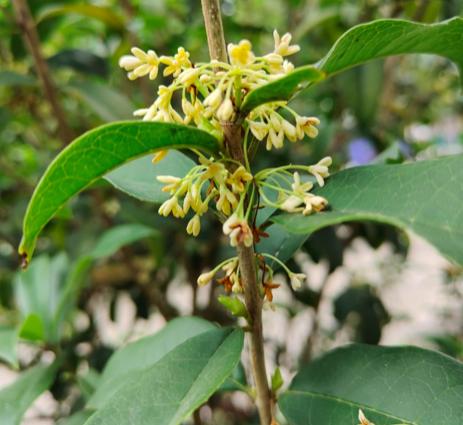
(225,112)
(205,278)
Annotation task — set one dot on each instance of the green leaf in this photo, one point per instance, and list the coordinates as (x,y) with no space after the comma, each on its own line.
(144,353)
(117,237)
(277,380)
(37,294)
(393,385)
(32,329)
(282,89)
(8,340)
(106,102)
(16,398)
(234,305)
(170,390)
(138,178)
(425,197)
(362,43)
(387,37)
(101,13)
(79,418)
(94,154)
(280,243)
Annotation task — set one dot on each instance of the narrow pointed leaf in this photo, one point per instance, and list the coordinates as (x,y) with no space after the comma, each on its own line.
(425,197)
(362,43)
(170,390)
(387,37)
(391,385)
(282,89)
(94,154)
(16,398)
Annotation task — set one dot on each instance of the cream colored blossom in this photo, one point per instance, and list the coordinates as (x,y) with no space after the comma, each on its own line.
(238,230)
(282,44)
(140,64)
(194,226)
(320,170)
(177,63)
(297,279)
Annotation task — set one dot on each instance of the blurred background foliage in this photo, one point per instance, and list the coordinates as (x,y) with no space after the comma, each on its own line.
(107,253)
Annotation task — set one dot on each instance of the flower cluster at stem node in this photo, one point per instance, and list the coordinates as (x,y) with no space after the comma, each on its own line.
(208,95)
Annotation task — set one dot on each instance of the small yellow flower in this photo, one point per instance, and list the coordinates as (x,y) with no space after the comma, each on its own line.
(140,64)
(320,170)
(297,279)
(306,125)
(282,46)
(238,179)
(238,230)
(177,63)
(194,226)
(259,129)
(241,54)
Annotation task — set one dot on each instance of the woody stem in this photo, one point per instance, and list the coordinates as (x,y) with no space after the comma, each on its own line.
(247,260)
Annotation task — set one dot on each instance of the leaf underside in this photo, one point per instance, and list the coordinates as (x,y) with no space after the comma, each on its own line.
(392,385)
(94,154)
(425,197)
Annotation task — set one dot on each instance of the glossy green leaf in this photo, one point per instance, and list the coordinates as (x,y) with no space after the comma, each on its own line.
(425,197)
(93,155)
(107,103)
(8,340)
(138,178)
(118,236)
(17,397)
(144,353)
(282,89)
(392,385)
(170,390)
(387,37)
(101,13)
(280,243)
(362,43)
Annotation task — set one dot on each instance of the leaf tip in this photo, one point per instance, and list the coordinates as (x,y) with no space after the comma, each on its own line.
(25,254)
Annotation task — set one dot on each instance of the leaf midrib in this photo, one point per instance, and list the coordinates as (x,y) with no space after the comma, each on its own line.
(349,403)
(175,418)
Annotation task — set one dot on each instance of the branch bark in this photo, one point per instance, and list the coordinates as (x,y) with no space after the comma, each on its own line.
(28,29)
(246,255)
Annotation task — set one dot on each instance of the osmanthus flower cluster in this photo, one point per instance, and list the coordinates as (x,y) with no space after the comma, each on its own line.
(209,95)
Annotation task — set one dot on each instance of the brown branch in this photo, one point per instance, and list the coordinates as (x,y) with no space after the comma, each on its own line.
(28,29)
(246,255)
